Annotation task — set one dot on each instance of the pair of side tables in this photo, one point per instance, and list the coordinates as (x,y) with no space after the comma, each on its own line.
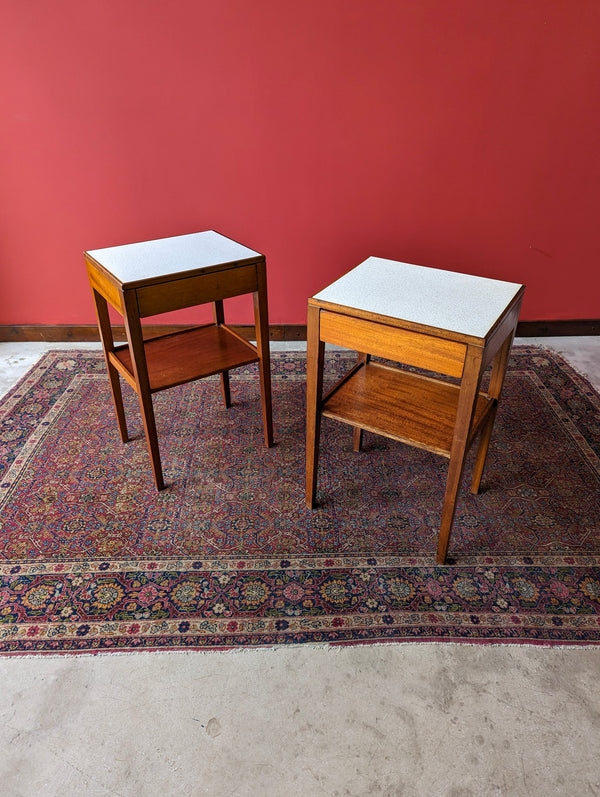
(438,323)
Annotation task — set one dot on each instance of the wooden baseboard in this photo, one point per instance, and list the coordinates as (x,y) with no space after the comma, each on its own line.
(547,329)
(63,333)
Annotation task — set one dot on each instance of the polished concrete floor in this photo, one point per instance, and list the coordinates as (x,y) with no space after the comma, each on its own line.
(395,719)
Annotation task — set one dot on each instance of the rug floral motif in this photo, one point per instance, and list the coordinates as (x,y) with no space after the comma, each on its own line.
(93,558)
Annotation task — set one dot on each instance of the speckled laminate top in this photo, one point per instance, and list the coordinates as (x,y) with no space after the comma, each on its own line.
(461,303)
(167,256)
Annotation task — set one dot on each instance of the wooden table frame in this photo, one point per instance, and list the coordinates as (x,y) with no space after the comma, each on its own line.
(423,411)
(154,364)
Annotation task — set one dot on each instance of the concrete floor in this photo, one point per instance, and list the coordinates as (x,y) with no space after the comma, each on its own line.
(395,719)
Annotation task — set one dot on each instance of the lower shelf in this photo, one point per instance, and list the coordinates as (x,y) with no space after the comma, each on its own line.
(408,407)
(187,355)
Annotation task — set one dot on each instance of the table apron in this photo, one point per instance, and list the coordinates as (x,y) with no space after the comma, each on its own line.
(402,345)
(506,327)
(105,288)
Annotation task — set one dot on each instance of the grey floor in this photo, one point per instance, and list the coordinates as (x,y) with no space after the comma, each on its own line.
(414,719)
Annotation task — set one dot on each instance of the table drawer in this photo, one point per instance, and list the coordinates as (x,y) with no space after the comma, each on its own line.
(189,291)
(402,345)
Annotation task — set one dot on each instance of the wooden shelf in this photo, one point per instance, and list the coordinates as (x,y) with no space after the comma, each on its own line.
(414,409)
(187,355)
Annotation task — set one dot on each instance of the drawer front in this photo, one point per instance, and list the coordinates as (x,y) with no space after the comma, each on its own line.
(402,345)
(189,291)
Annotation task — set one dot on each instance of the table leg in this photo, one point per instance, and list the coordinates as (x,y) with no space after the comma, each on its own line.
(106,337)
(135,340)
(315,354)
(499,366)
(261,323)
(219,317)
(464,416)
(357,434)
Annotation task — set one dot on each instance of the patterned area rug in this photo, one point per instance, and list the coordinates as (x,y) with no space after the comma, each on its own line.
(92,558)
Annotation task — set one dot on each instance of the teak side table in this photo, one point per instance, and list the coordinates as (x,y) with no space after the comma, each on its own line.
(449,324)
(153,277)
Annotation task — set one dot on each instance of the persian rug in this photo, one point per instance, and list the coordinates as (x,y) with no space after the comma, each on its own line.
(93,558)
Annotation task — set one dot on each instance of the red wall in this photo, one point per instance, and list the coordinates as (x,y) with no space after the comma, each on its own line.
(461,134)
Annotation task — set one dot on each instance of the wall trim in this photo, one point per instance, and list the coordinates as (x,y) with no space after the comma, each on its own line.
(63,333)
(85,333)
(546,329)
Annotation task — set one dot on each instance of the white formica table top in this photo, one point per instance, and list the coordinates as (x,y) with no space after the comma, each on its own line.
(461,303)
(164,257)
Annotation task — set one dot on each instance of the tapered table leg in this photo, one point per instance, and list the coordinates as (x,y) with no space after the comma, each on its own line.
(357,432)
(460,442)
(106,337)
(219,318)
(135,340)
(315,353)
(499,366)
(261,323)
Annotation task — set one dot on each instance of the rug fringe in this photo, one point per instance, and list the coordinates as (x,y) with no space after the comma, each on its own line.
(335,648)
